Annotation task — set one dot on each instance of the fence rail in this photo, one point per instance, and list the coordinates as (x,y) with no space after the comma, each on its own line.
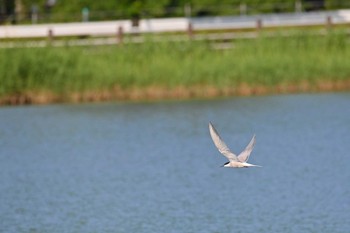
(119,28)
(34,13)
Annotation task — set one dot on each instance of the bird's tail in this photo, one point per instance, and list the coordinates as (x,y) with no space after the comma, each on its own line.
(251,165)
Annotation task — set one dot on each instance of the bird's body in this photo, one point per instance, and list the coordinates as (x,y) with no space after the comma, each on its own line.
(235,161)
(239,164)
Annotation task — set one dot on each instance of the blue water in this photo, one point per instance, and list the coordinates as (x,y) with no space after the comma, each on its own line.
(152,167)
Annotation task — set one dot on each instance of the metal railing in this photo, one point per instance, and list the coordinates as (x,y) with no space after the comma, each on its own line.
(38,16)
(122,31)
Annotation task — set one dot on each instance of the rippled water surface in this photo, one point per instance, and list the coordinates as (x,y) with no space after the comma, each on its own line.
(152,167)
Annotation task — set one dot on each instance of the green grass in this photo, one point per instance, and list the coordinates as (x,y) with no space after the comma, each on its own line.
(263,61)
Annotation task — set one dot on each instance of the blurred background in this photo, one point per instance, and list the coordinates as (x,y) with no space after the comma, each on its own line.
(43,11)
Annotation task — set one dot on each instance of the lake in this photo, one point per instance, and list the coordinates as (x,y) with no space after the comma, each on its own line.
(152,167)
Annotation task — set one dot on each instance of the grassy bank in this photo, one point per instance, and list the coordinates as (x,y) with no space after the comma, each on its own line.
(175,69)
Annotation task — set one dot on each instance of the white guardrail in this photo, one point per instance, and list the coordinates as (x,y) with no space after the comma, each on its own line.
(108,28)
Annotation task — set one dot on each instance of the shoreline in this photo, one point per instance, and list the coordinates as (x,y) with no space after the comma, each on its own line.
(150,93)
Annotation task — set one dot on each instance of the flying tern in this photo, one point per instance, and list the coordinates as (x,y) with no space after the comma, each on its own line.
(234,160)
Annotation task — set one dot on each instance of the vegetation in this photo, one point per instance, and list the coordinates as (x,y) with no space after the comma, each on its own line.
(67,10)
(116,70)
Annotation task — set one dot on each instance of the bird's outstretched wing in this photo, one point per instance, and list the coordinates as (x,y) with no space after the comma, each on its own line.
(220,144)
(244,155)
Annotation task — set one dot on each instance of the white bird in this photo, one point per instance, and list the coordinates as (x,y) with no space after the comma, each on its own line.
(234,160)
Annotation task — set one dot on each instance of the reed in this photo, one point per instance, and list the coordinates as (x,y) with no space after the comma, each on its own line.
(265,61)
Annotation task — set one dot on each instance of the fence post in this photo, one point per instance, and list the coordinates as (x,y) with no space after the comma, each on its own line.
(34,14)
(50,36)
(298,6)
(259,25)
(243,8)
(190,31)
(187,10)
(329,23)
(120,35)
(85,14)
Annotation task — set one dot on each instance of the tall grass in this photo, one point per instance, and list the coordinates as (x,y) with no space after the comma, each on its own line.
(263,61)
